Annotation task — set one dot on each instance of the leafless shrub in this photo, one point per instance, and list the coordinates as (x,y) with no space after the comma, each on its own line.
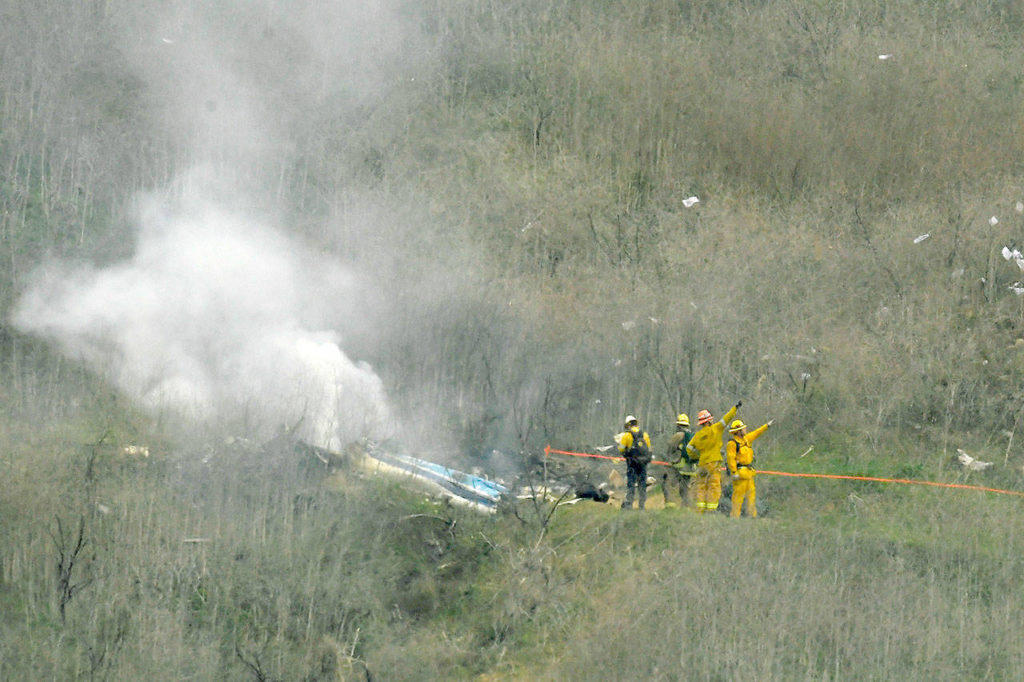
(69,545)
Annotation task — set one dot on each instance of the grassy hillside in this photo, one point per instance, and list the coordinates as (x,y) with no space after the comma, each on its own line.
(510,175)
(245,563)
(489,198)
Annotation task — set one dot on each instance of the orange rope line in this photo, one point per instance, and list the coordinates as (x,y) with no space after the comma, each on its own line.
(906,481)
(548,450)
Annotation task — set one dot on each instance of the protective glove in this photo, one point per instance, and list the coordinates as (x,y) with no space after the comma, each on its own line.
(771,422)
(739,404)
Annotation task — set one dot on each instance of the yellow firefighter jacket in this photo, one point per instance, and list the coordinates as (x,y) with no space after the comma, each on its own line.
(625,439)
(738,452)
(706,444)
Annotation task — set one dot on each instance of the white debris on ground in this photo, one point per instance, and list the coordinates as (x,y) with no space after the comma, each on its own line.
(993,221)
(135,451)
(551,493)
(921,237)
(689,202)
(970,463)
(1015,255)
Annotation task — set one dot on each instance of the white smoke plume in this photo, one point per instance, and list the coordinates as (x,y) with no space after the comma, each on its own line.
(218,316)
(214,317)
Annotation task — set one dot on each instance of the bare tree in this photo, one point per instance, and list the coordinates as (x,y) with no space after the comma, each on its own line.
(69,546)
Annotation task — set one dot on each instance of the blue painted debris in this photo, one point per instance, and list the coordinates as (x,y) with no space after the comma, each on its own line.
(458,486)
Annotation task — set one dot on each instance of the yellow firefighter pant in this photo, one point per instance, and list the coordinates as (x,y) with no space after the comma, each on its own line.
(709,487)
(743,489)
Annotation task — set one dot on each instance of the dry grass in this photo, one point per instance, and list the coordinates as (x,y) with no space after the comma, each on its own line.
(248,565)
(519,205)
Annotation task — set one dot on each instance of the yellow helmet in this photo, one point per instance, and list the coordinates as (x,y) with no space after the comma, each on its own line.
(737,426)
(683,419)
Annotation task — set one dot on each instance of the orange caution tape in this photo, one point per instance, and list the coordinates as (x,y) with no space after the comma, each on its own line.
(548,450)
(906,481)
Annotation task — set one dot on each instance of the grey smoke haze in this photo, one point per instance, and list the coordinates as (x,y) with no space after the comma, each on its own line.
(215,316)
(219,315)
(242,80)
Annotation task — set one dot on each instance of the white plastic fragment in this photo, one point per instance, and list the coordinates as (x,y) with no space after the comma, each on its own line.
(1014,255)
(1019,207)
(629,324)
(921,237)
(1017,288)
(970,463)
(993,221)
(690,201)
(883,57)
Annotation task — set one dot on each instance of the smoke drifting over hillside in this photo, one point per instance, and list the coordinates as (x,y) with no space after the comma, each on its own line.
(214,317)
(241,82)
(219,316)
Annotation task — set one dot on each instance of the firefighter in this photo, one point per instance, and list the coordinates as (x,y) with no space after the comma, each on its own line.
(739,458)
(679,475)
(706,448)
(635,447)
